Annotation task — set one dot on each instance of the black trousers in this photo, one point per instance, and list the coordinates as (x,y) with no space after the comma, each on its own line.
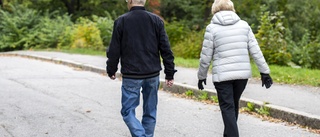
(229,93)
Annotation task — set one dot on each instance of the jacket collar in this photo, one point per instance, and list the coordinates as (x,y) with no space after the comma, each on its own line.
(137,8)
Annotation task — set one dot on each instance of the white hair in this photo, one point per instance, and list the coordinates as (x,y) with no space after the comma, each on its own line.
(140,2)
(220,5)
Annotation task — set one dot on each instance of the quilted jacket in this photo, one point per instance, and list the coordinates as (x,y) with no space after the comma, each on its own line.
(228,41)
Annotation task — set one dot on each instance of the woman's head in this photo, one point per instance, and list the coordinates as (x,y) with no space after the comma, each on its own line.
(220,5)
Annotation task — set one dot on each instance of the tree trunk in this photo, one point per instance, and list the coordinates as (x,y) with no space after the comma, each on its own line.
(207,11)
(70,6)
(78,5)
(1,3)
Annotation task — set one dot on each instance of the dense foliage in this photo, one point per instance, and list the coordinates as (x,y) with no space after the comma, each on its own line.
(25,28)
(287,30)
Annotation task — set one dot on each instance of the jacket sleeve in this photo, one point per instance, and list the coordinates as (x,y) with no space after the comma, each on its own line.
(113,51)
(256,54)
(206,54)
(166,53)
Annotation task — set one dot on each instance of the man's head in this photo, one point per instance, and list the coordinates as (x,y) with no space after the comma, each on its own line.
(132,3)
(220,5)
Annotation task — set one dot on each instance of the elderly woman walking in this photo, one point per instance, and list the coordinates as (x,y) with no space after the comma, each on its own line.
(228,41)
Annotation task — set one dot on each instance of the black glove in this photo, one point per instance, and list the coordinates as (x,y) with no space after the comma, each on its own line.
(266,80)
(200,86)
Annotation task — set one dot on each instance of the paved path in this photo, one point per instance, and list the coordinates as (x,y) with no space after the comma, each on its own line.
(42,99)
(300,98)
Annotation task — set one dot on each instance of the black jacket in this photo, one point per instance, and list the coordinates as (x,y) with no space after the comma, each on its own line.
(138,40)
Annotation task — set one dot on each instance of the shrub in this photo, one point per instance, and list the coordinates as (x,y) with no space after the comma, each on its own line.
(306,52)
(309,55)
(46,33)
(190,47)
(66,38)
(105,25)
(84,34)
(88,32)
(177,32)
(16,26)
(271,38)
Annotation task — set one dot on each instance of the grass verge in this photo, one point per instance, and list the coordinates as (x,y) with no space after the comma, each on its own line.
(280,74)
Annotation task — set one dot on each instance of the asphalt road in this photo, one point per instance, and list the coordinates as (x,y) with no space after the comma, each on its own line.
(42,99)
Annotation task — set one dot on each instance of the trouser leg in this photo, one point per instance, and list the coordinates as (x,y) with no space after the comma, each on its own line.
(238,88)
(227,107)
(229,93)
(130,100)
(150,100)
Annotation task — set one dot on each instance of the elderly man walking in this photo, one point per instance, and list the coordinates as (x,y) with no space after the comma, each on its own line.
(138,40)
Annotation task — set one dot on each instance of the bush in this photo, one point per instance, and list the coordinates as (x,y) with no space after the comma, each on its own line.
(16,27)
(46,34)
(23,28)
(271,38)
(105,25)
(177,32)
(190,47)
(84,34)
(87,35)
(184,42)
(66,38)
(307,56)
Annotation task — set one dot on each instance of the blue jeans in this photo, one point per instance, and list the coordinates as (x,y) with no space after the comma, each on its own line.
(130,100)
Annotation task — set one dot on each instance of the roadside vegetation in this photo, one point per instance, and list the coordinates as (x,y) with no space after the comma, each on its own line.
(280,74)
(289,41)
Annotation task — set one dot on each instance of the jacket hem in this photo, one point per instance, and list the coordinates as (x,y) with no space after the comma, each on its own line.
(137,76)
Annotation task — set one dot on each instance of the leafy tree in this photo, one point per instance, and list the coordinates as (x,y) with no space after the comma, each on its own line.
(302,16)
(249,10)
(271,38)
(194,13)
(76,8)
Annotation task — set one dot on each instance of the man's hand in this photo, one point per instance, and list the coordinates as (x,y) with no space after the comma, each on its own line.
(200,86)
(169,83)
(266,80)
(113,77)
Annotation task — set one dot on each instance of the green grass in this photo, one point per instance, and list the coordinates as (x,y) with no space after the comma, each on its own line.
(189,93)
(203,96)
(188,63)
(289,75)
(77,51)
(279,74)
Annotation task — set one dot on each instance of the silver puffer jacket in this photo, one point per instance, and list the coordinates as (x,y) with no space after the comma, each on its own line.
(228,42)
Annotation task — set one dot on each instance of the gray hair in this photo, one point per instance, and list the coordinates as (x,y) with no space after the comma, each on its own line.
(140,2)
(220,5)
